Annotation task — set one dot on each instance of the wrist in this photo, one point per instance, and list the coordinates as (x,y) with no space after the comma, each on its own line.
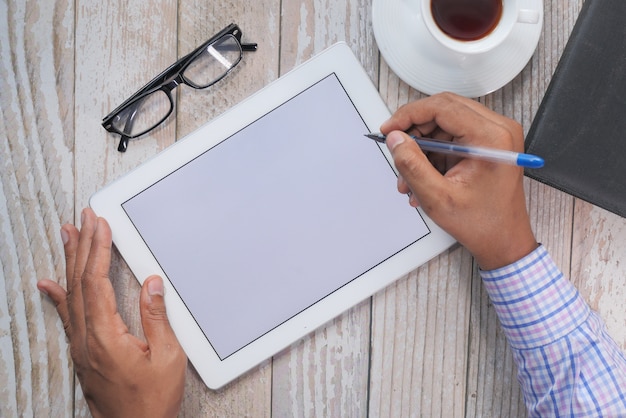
(498,255)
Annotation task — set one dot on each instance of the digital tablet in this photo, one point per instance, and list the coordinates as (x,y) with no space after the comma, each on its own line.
(272,219)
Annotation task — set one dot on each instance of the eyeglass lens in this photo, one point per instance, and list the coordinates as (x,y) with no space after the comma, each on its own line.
(212,64)
(144,114)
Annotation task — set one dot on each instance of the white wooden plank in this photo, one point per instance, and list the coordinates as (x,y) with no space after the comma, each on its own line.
(120,46)
(9,341)
(38,186)
(419,332)
(310,26)
(599,265)
(323,374)
(326,375)
(259,22)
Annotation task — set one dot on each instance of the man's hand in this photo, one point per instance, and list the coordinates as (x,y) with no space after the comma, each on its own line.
(481,204)
(121,375)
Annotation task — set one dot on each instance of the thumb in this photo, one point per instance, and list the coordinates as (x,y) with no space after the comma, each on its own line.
(156,327)
(422,177)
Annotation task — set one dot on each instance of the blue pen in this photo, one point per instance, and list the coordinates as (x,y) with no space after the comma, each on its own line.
(469,151)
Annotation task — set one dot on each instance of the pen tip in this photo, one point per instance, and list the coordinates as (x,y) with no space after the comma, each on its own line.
(376,137)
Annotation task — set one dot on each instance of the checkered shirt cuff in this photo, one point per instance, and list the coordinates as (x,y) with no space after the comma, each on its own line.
(535,303)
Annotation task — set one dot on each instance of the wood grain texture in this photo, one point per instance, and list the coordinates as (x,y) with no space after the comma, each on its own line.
(36,191)
(429,345)
(419,336)
(598,270)
(120,46)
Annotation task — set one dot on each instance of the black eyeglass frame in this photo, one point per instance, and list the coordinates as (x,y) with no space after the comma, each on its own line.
(171,78)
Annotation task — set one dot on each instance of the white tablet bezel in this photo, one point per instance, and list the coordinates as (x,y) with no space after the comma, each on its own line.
(107,203)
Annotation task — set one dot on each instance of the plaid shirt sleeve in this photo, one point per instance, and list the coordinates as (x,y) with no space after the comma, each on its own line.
(567,363)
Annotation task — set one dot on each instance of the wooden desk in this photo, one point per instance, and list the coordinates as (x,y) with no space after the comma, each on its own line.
(429,345)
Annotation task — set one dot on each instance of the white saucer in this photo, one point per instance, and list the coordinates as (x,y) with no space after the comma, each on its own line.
(424,64)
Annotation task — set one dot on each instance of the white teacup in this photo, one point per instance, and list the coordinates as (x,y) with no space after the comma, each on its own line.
(511,14)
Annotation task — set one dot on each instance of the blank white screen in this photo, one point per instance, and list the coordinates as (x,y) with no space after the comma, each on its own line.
(276,217)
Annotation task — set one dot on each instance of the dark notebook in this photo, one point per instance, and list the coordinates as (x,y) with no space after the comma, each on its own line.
(580,127)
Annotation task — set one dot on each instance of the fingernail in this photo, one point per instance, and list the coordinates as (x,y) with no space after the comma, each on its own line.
(155,287)
(65,237)
(42,289)
(394,139)
(82,217)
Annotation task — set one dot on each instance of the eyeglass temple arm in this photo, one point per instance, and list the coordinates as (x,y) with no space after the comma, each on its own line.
(123,145)
(248,47)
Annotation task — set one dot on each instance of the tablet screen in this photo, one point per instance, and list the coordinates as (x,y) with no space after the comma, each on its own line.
(276,217)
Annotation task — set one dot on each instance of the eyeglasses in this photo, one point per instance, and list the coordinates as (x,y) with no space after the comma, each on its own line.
(153,104)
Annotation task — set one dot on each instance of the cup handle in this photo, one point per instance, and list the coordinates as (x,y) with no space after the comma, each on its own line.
(528,16)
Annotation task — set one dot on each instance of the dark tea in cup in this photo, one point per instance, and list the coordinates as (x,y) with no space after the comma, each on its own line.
(466,20)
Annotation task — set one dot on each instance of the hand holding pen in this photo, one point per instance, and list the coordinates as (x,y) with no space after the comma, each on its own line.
(482,205)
